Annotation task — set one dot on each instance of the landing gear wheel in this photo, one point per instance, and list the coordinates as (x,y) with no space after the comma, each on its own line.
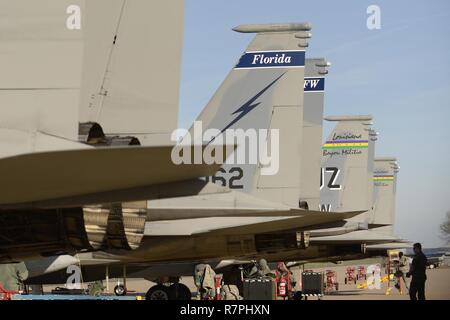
(158,292)
(179,291)
(120,290)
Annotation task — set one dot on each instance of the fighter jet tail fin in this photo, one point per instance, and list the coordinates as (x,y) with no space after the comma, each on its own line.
(259,106)
(314,87)
(384,181)
(346,176)
(131,67)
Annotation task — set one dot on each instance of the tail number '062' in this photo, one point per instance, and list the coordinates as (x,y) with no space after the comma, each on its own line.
(232,182)
(332,185)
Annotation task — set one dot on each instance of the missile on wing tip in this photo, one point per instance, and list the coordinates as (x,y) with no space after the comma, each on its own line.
(272,27)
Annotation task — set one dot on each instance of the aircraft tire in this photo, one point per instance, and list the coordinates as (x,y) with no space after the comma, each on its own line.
(158,292)
(120,290)
(179,291)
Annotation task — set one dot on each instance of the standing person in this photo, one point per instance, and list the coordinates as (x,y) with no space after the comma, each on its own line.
(401,270)
(417,271)
(403,267)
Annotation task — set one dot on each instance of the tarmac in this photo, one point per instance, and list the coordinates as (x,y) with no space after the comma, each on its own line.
(437,286)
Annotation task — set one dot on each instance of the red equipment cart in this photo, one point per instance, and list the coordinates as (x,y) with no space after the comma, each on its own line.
(361,273)
(350,275)
(331,283)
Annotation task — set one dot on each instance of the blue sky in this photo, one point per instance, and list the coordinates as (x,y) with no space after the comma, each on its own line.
(399,74)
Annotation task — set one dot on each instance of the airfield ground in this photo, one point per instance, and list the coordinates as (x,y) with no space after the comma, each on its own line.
(437,285)
(437,288)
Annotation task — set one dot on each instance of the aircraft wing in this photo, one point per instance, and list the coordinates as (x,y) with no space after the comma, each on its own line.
(389,246)
(237,224)
(224,204)
(229,204)
(360,236)
(29,178)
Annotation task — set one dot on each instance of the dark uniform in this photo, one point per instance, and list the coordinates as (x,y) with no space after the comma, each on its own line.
(417,271)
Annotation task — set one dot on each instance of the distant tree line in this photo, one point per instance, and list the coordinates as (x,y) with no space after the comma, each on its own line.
(445,227)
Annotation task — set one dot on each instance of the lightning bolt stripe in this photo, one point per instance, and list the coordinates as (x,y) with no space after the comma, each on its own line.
(248,106)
